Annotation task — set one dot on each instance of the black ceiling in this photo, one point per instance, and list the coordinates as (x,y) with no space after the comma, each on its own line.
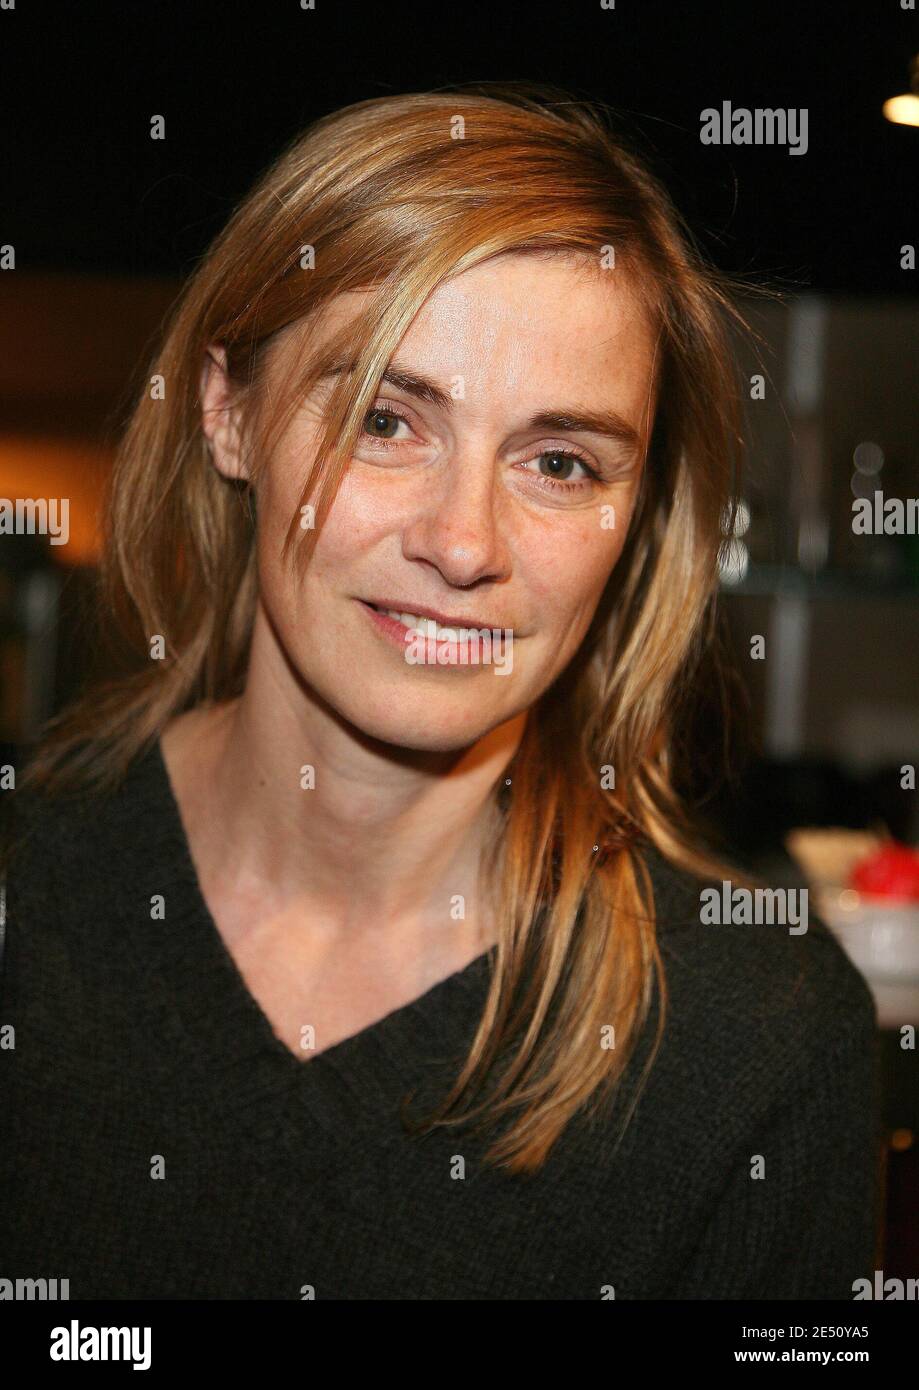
(85,188)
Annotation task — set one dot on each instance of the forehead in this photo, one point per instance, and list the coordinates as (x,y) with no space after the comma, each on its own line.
(525,323)
(536,317)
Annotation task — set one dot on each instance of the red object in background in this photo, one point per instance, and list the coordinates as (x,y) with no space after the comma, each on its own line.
(890,872)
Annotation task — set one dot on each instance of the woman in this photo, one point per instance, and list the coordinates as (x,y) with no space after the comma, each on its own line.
(354,944)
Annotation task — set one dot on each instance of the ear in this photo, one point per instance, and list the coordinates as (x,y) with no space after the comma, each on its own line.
(219,418)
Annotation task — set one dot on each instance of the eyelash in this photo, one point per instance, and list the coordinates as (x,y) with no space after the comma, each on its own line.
(552,484)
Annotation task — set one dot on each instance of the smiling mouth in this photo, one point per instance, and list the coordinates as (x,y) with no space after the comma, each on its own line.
(431,623)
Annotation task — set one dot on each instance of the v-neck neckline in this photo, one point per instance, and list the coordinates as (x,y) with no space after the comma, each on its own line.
(204,1000)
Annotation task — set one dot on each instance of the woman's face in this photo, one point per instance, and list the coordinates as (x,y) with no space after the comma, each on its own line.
(492,488)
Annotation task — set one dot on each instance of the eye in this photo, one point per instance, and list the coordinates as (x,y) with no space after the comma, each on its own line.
(561,465)
(556,470)
(381,423)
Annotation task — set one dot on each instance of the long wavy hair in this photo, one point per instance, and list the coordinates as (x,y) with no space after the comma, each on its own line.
(393,195)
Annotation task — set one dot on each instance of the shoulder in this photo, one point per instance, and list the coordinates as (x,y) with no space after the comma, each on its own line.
(60,823)
(67,849)
(766,988)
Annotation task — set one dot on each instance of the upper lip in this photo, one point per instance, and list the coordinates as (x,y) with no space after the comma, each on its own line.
(423,611)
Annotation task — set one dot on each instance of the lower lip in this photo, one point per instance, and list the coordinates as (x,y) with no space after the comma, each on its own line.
(439,653)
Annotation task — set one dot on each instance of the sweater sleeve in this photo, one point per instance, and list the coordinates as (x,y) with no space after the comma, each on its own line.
(809,1226)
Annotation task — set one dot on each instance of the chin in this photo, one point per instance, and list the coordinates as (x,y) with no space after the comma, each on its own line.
(425,729)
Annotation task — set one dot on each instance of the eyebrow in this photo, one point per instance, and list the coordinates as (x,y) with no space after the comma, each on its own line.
(608,423)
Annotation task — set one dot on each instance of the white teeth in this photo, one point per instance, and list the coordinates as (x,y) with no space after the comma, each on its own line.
(429,628)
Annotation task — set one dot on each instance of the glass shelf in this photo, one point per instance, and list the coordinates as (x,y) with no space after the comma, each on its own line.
(787,579)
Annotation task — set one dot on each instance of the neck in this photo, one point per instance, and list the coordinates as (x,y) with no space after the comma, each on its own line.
(369,836)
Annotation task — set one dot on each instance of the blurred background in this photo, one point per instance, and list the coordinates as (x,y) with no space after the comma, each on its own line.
(101,225)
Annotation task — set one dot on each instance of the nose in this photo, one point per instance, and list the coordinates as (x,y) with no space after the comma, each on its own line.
(459,526)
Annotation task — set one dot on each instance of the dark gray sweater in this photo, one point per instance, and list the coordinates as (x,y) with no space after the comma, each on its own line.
(159,1141)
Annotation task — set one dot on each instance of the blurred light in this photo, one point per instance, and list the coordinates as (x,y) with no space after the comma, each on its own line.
(740,519)
(734,562)
(862,486)
(44,467)
(868,457)
(813,542)
(904,108)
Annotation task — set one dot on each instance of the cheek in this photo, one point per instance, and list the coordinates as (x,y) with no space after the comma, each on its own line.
(567,569)
(354,526)
(278,502)
(349,526)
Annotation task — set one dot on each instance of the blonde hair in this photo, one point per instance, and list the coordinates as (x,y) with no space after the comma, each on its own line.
(393,195)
